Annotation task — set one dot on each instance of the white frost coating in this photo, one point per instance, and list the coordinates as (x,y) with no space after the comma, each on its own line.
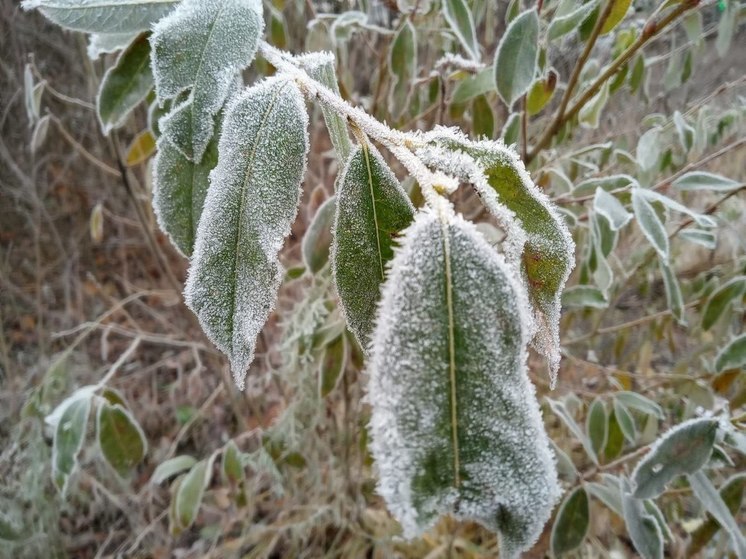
(496,466)
(202,45)
(250,206)
(103,16)
(102,43)
(612,209)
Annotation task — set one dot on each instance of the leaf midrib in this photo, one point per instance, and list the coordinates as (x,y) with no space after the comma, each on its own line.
(366,154)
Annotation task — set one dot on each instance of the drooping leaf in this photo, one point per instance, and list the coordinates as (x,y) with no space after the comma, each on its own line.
(125,85)
(372,208)
(249,208)
(201,46)
(459,18)
(571,525)
(650,223)
(684,449)
(403,66)
(731,492)
(700,180)
(103,16)
(709,497)
(318,238)
(541,93)
(640,403)
(611,208)
(516,57)
(730,292)
(455,425)
(641,526)
(179,190)
(120,437)
(596,426)
(69,434)
(732,356)
(674,299)
(172,467)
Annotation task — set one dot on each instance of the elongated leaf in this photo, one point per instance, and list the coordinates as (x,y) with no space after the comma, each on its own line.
(125,85)
(516,57)
(731,492)
(332,365)
(68,440)
(612,209)
(580,296)
(188,498)
(648,149)
(403,66)
(541,93)
(650,223)
(641,526)
(318,239)
(682,450)
(201,46)
(455,424)
(120,437)
(608,493)
(483,121)
(103,16)
(713,502)
(172,467)
(590,114)
(626,422)
(596,426)
(732,356)
(572,522)
(707,239)
(729,292)
(252,201)
(564,23)
(674,299)
(372,208)
(140,149)
(640,403)
(700,219)
(458,15)
(179,190)
(700,180)
(618,11)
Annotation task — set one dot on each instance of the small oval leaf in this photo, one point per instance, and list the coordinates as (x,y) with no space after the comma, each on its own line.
(172,467)
(120,437)
(516,57)
(571,525)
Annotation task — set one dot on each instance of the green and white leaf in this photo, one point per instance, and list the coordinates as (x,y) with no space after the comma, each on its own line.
(597,425)
(565,21)
(640,403)
(516,57)
(201,46)
(172,467)
(701,180)
(611,208)
(648,149)
(103,16)
(460,19)
(704,238)
(69,435)
(580,296)
(125,85)
(650,224)
(317,241)
(120,437)
(473,86)
(590,114)
(250,206)
(730,292)
(372,210)
(402,66)
(455,425)
(674,299)
(732,356)
(642,526)
(191,490)
(700,219)
(103,43)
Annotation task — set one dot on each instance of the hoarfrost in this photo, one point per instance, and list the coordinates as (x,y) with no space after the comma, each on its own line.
(455,424)
(201,45)
(250,206)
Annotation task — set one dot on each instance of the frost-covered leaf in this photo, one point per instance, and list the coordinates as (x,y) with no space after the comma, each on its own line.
(179,190)
(332,365)
(648,149)
(611,208)
(69,434)
(201,46)
(559,409)
(250,206)
(473,86)
(683,129)
(455,425)
(318,238)
(653,196)
(640,403)
(566,21)
(683,449)
(731,492)
(700,180)
(103,43)
(707,239)
(172,467)
(608,493)
(459,17)
(511,130)
(103,16)
(713,502)
(516,57)
(579,296)
(571,525)
(730,292)
(626,421)
(732,356)
(125,85)
(641,526)
(372,208)
(120,437)
(597,425)
(402,65)
(650,223)
(674,299)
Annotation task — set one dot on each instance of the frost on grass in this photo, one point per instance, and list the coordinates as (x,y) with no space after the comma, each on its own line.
(103,16)
(372,208)
(455,424)
(200,46)
(250,206)
(549,253)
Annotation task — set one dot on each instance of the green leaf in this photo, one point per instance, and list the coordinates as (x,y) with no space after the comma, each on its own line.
(590,114)
(625,420)
(681,450)
(580,296)
(250,206)
(541,93)
(483,121)
(516,57)
(473,86)
(731,492)
(318,238)
(612,209)
(140,149)
(564,23)
(103,16)
(403,66)
(730,292)
(684,131)
(511,130)
(637,76)
(69,434)
(619,9)
(231,465)
(700,219)
(596,425)
(674,299)
(201,46)
(642,526)
(648,149)
(713,502)
(732,356)
(640,403)
(455,426)
(707,239)
(372,208)
(332,365)
(700,180)
(458,15)
(615,439)
(172,467)
(608,493)
(188,498)
(125,85)
(650,223)
(120,438)
(571,525)
(179,190)
(726,27)
(560,410)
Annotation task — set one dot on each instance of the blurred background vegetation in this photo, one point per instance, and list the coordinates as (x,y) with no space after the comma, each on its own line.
(90,288)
